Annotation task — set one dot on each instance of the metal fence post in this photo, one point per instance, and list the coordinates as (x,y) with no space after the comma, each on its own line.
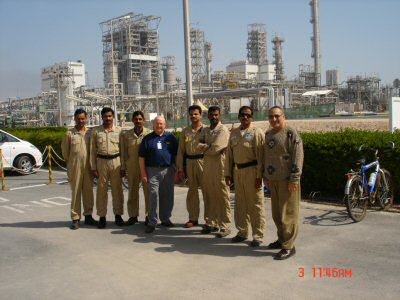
(3,182)
(50,169)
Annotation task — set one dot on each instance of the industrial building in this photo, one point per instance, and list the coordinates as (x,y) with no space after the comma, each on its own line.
(137,78)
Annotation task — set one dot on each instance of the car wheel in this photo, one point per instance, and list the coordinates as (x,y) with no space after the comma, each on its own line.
(24,164)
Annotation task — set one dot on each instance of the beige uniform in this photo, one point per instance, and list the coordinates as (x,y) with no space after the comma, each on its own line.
(217,210)
(283,163)
(75,150)
(244,157)
(105,158)
(189,149)
(130,143)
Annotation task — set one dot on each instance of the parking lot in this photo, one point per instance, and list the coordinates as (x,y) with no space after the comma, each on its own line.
(41,258)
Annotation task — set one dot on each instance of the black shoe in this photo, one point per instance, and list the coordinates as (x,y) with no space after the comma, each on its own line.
(255,243)
(149,228)
(90,221)
(168,224)
(146,221)
(102,223)
(238,239)
(119,221)
(285,254)
(223,233)
(214,229)
(74,225)
(131,221)
(206,229)
(275,245)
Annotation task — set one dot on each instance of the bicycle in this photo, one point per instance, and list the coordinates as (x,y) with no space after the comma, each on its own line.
(363,187)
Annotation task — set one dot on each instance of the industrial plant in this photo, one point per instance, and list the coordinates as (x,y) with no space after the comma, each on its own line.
(137,78)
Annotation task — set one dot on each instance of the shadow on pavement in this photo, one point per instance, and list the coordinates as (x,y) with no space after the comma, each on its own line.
(37,224)
(329,218)
(191,241)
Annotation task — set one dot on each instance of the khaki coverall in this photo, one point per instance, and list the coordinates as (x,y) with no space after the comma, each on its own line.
(106,144)
(75,150)
(130,143)
(189,149)
(217,210)
(245,155)
(283,157)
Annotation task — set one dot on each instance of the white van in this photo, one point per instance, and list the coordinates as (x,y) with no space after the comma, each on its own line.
(18,153)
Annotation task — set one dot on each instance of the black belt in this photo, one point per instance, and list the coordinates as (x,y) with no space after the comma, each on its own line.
(159,166)
(245,165)
(107,156)
(197,156)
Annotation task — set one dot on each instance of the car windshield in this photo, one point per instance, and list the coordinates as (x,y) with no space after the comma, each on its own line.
(4,138)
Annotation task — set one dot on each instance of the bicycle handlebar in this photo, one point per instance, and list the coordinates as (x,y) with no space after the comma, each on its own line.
(392,145)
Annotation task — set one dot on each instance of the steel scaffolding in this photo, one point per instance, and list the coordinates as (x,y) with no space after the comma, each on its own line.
(257,44)
(197,49)
(131,53)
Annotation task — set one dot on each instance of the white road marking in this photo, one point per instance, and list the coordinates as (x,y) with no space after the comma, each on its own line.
(22,206)
(57,172)
(4,199)
(27,187)
(13,209)
(40,204)
(48,200)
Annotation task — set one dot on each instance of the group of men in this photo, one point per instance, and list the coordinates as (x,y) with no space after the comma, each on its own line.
(212,158)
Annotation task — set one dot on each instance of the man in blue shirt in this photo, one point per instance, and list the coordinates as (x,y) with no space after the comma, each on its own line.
(157,154)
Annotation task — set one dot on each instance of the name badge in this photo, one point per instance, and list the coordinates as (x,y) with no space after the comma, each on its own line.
(159,146)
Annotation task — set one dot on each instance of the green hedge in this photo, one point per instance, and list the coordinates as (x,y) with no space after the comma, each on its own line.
(327,156)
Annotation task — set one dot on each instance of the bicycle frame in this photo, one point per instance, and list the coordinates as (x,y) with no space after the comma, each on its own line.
(362,174)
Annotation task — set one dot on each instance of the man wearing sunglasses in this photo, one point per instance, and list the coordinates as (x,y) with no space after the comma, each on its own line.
(283,163)
(244,158)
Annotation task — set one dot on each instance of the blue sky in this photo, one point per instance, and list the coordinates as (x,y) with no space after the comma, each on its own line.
(359,37)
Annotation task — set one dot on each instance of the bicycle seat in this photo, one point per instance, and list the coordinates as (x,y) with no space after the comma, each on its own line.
(361,161)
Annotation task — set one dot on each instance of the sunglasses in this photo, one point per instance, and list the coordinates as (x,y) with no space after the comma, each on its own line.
(274,116)
(242,115)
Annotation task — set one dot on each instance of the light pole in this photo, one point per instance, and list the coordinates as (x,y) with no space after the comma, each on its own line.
(188,62)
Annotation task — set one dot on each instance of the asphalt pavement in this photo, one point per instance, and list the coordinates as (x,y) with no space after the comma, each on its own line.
(41,258)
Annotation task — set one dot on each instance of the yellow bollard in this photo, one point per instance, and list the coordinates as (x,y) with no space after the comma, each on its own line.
(50,170)
(3,182)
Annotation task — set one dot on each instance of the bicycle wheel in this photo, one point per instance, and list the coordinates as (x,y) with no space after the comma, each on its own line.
(125,182)
(384,193)
(356,200)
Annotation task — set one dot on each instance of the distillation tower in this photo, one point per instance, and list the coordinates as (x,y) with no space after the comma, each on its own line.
(278,59)
(168,67)
(197,50)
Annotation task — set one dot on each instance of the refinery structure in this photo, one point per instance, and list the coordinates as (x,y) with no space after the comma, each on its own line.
(137,78)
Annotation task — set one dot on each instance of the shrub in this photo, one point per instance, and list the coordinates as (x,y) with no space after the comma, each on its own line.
(328,156)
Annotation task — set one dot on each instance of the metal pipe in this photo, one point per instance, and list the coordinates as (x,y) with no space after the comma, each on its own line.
(59,101)
(188,63)
(114,103)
